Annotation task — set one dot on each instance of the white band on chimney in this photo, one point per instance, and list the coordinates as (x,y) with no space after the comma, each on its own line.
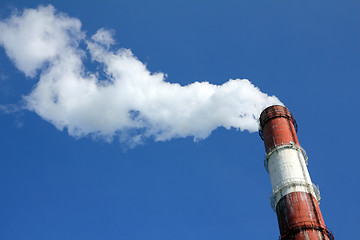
(286,165)
(267,156)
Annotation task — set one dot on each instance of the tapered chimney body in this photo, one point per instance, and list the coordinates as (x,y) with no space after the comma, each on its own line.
(294,197)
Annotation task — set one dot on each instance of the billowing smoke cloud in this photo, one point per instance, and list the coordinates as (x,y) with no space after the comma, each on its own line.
(126,100)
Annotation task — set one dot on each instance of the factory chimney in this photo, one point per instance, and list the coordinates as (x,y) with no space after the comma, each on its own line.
(294,197)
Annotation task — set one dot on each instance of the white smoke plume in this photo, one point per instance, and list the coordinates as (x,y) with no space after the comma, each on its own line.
(130,102)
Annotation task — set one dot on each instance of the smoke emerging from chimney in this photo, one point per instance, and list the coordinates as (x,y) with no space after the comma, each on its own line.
(123,99)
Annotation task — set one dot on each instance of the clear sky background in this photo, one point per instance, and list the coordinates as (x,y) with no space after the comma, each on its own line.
(307,53)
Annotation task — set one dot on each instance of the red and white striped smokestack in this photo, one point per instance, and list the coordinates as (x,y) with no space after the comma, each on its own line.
(294,197)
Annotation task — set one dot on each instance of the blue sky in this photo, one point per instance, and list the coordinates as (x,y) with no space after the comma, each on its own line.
(56,186)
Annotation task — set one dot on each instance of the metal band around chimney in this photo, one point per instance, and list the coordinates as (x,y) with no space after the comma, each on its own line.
(293,185)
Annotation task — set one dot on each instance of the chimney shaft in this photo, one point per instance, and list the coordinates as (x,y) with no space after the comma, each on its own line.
(294,197)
